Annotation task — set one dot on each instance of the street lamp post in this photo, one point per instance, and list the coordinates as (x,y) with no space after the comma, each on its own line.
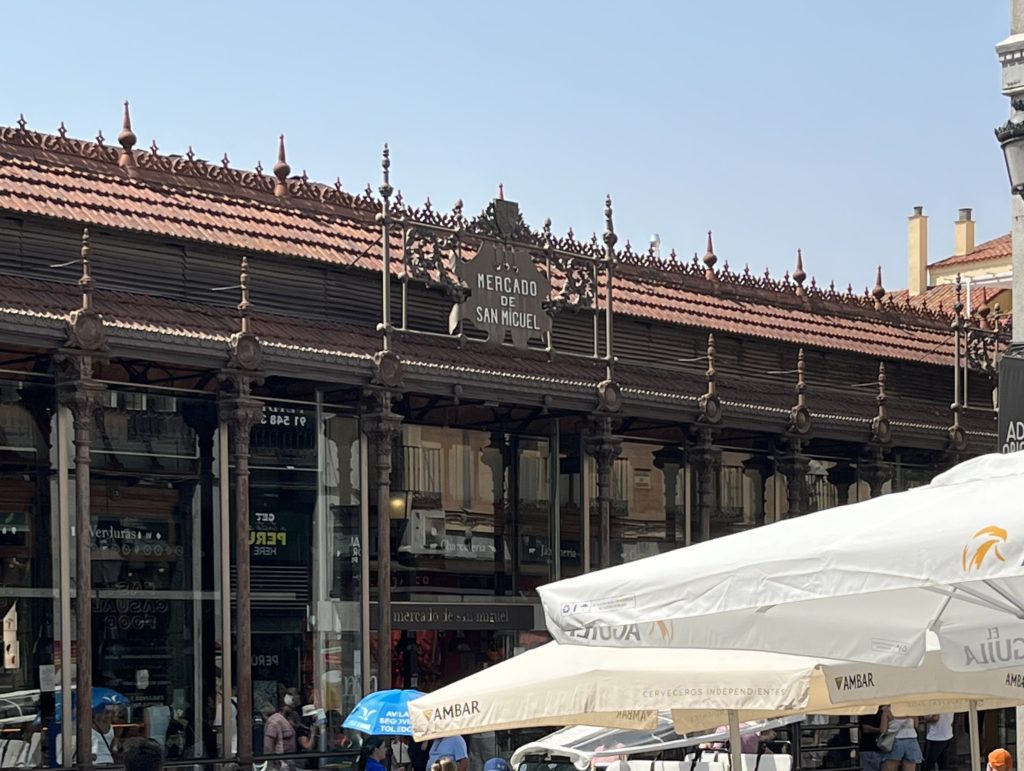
(1011,137)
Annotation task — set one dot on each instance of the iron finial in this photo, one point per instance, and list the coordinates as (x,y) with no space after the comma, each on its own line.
(879,291)
(281,170)
(501,191)
(85,282)
(712,373)
(709,259)
(801,382)
(22,123)
(881,390)
(62,130)
(799,275)
(127,140)
(610,239)
(243,303)
(385,168)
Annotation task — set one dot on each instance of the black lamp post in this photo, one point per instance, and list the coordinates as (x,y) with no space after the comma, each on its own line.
(1011,363)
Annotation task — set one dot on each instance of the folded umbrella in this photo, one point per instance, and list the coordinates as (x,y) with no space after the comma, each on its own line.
(101,697)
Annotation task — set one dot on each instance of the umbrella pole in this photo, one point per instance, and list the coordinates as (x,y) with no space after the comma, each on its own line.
(736,744)
(972,731)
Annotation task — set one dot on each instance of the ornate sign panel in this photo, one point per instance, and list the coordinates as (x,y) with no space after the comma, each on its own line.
(506,295)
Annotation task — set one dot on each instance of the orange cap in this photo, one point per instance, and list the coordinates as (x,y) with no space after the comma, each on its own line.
(1000,760)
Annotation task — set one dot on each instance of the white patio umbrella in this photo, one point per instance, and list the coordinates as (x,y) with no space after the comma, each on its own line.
(566,685)
(863,582)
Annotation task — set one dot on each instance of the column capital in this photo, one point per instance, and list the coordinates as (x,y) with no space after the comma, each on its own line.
(76,388)
(381,423)
(875,470)
(241,413)
(598,440)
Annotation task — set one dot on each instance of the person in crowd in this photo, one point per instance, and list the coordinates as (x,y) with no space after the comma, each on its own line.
(372,754)
(938,737)
(869,728)
(451,747)
(308,732)
(102,736)
(419,754)
(497,764)
(278,732)
(141,754)
(1000,760)
(906,751)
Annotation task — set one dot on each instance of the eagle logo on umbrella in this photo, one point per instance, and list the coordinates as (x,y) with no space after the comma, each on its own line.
(991,537)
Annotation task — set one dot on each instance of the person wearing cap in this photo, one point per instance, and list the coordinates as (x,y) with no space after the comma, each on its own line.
(1000,760)
(497,764)
(307,733)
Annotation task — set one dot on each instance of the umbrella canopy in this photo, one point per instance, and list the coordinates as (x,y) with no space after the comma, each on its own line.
(862,582)
(583,744)
(566,685)
(383,713)
(101,697)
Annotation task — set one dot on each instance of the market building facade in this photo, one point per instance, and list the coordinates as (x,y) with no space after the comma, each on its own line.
(266,399)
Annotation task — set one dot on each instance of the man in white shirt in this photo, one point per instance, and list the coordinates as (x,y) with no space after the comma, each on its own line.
(102,737)
(937,741)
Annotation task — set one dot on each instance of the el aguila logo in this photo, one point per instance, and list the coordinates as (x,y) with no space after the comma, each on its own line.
(985,542)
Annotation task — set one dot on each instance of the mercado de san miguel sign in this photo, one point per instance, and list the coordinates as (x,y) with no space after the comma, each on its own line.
(506,295)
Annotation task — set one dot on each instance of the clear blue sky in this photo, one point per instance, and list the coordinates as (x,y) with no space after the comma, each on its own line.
(778,124)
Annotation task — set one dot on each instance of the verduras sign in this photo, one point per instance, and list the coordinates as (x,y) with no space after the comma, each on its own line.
(506,295)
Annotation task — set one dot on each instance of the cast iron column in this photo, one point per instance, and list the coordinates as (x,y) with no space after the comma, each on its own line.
(793,466)
(842,477)
(241,412)
(759,469)
(382,427)
(82,397)
(875,471)
(81,394)
(604,447)
(707,461)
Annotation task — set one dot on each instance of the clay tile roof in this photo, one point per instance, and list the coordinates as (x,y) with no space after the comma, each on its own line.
(186,198)
(996,249)
(945,294)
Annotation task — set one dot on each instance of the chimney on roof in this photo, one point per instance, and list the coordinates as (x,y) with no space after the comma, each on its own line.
(964,233)
(917,251)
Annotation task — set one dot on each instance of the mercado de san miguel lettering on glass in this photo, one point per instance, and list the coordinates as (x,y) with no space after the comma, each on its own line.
(322,439)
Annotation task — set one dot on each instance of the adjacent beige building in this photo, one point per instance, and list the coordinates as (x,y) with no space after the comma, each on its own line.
(984,269)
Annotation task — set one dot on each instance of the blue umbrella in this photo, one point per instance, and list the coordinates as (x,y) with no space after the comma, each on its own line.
(384,713)
(101,697)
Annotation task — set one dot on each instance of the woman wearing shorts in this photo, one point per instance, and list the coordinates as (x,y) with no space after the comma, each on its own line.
(906,751)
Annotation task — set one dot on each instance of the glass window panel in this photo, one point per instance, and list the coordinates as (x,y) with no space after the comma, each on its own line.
(154,513)
(29,568)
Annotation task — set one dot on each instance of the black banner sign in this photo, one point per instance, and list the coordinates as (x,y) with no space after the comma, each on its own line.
(1011,400)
